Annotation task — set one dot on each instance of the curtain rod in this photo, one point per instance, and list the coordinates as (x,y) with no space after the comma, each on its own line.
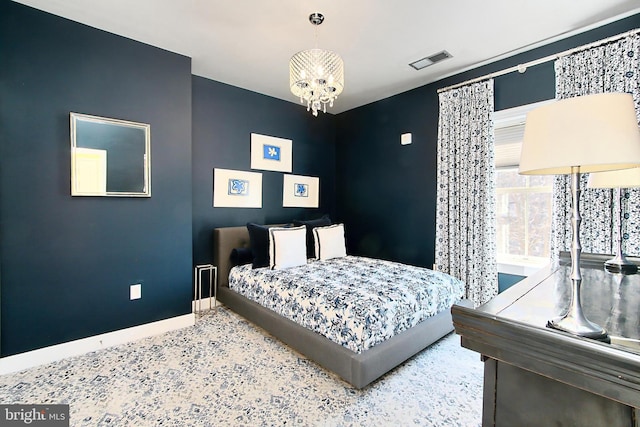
(523,67)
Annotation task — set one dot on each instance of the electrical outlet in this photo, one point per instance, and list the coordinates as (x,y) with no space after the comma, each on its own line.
(135,291)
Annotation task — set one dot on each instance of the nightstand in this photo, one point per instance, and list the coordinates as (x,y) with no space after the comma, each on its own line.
(197,283)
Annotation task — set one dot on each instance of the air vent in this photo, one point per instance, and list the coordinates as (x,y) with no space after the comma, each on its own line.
(430,60)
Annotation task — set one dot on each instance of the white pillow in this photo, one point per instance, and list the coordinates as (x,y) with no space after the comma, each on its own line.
(330,242)
(287,247)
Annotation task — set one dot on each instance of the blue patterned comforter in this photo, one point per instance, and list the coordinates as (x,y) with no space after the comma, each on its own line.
(353,301)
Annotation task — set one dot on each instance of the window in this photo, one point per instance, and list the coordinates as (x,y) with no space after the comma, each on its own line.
(523,208)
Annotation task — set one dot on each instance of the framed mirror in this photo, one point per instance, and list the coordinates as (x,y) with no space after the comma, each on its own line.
(110,157)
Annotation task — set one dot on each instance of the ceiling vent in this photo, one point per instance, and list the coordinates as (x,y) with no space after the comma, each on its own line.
(430,60)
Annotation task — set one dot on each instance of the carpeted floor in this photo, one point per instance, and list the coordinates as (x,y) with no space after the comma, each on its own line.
(226,372)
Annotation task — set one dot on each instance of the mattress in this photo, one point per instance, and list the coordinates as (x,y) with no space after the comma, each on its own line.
(355,302)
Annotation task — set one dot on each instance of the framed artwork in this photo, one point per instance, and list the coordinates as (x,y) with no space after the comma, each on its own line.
(300,191)
(236,189)
(271,153)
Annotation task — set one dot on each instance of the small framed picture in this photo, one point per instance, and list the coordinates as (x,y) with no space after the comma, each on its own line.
(271,153)
(300,191)
(236,189)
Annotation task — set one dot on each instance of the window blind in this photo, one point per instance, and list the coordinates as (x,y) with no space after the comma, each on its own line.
(509,132)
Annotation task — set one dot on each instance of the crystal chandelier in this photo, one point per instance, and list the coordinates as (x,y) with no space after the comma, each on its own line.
(316,75)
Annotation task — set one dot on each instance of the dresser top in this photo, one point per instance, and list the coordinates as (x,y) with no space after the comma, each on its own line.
(609,300)
(512,328)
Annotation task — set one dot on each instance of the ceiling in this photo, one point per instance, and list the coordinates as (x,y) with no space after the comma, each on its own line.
(248,43)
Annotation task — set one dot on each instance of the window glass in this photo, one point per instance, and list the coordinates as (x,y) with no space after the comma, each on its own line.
(523,214)
(523,217)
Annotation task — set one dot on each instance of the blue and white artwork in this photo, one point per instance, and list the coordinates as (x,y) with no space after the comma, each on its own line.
(238,187)
(301,190)
(271,153)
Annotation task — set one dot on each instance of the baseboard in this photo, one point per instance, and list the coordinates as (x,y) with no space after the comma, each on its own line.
(53,353)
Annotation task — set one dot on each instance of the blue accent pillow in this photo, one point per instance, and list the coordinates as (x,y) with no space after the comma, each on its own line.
(241,256)
(259,236)
(323,221)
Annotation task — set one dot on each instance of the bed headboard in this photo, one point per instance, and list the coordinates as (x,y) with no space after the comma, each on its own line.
(224,241)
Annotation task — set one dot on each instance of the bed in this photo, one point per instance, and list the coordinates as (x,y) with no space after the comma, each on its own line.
(358,363)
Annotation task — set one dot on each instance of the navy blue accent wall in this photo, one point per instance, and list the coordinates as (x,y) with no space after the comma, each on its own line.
(67,262)
(387,194)
(223,119)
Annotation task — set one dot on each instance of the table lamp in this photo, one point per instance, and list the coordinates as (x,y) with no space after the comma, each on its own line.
(591,133)
(627,178)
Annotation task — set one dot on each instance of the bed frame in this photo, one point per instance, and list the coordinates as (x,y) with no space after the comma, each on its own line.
(358,370)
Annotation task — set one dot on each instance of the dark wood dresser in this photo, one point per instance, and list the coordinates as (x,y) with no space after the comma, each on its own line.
(537,376)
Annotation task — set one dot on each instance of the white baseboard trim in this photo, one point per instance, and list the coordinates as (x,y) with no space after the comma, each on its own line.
(53,353)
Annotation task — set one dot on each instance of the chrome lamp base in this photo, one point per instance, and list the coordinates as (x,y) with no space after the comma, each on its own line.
(620,264)
(580,327)
(574,321)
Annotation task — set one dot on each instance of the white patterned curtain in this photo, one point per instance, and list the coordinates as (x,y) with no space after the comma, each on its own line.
(613,67)
(465,209)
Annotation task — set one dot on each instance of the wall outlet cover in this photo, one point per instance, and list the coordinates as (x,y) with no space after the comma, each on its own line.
(135,291)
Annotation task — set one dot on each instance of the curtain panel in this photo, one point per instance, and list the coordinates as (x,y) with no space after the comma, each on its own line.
(466,206)
(613,67)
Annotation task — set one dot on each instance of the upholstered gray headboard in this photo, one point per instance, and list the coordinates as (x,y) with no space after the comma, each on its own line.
(224,241)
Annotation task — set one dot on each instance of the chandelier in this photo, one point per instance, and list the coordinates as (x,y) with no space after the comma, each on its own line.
(316,75)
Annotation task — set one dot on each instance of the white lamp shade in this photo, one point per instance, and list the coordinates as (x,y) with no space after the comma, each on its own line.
(593,132)
(626,178)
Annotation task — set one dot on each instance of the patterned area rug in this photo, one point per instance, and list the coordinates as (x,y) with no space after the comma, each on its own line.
(225,371)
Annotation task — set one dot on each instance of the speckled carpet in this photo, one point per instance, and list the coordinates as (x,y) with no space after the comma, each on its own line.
(226,372)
